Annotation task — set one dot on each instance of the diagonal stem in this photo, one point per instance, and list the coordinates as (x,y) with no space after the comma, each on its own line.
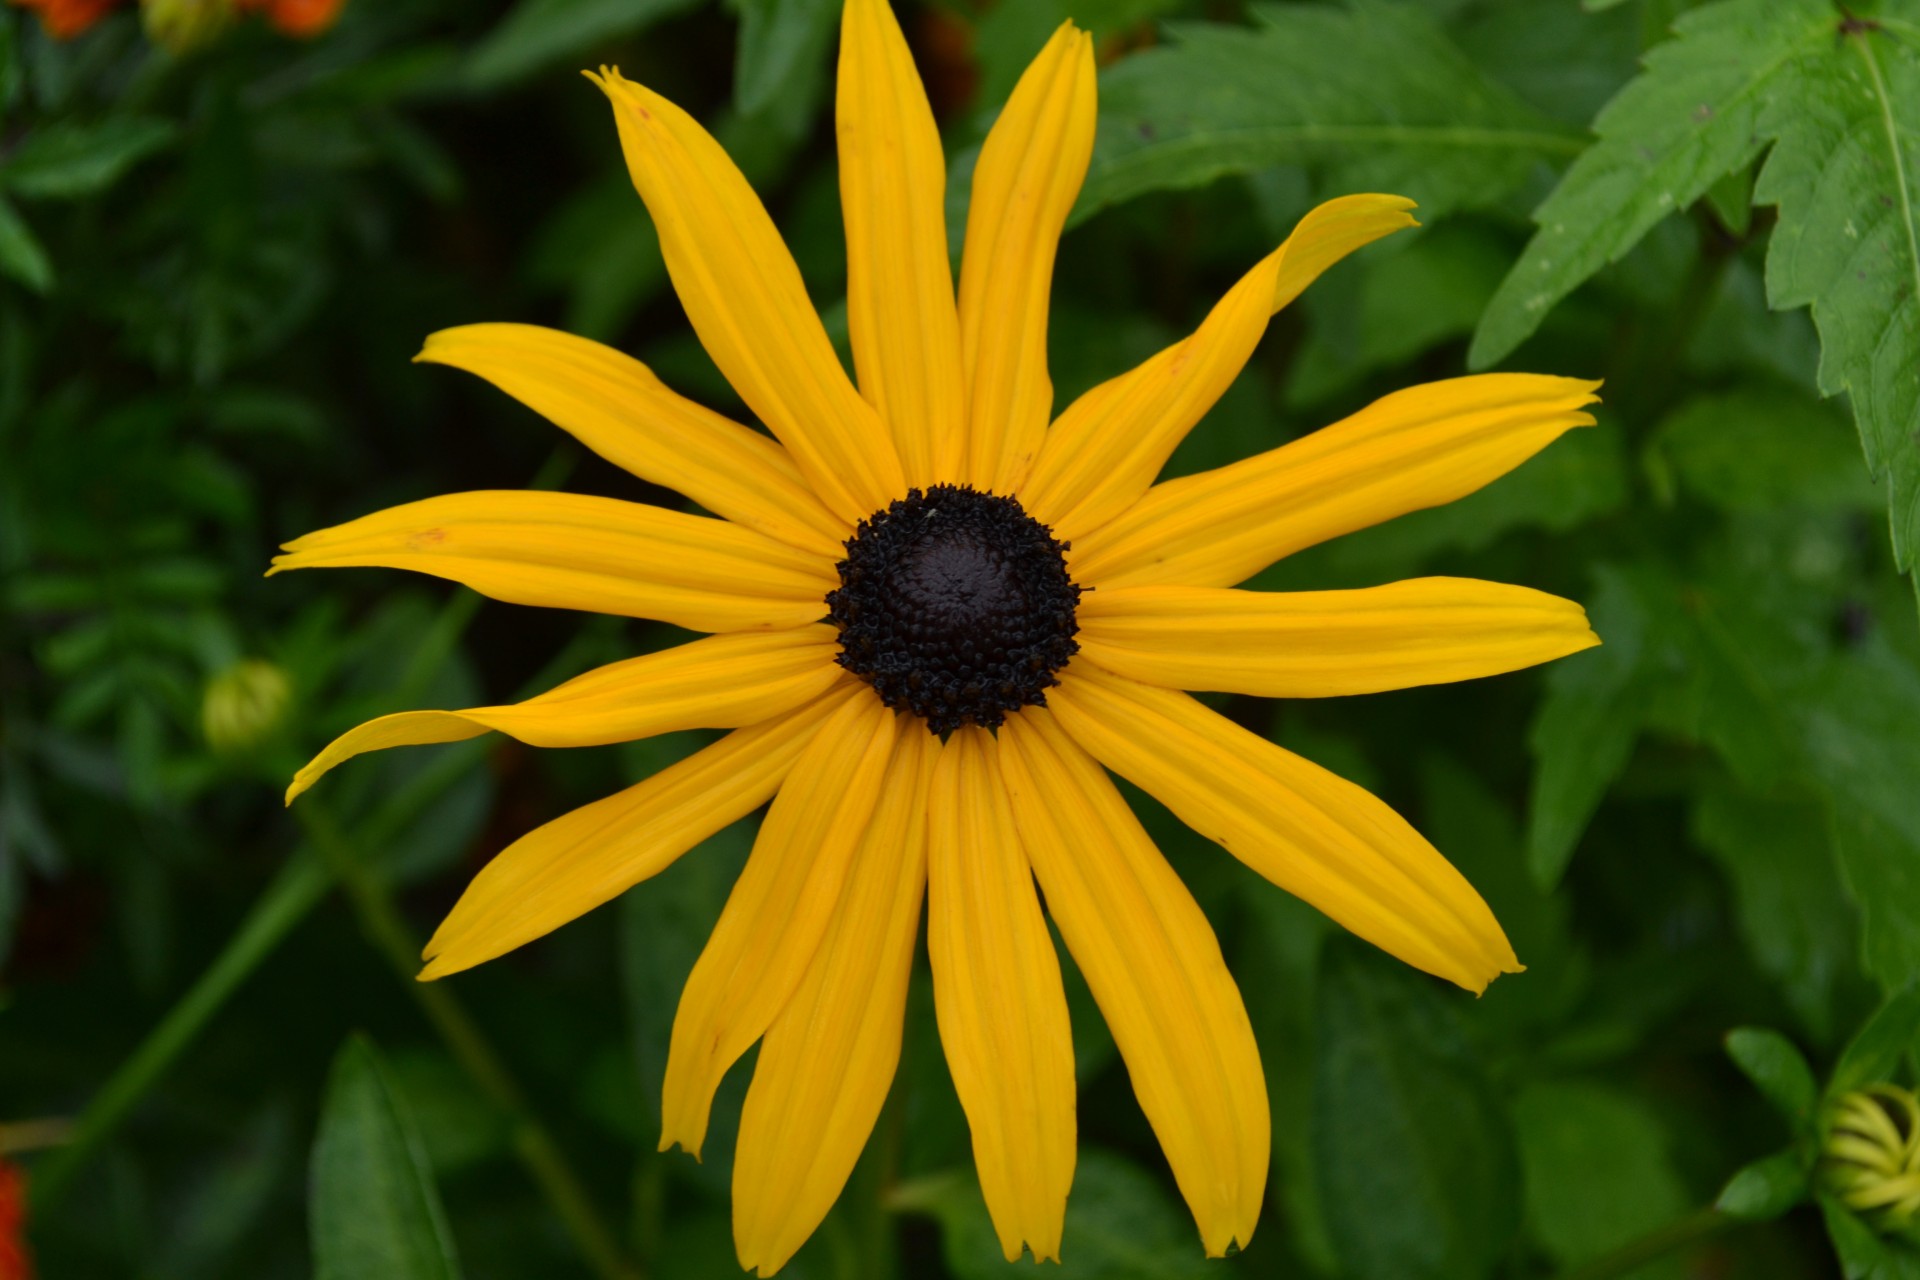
(380,917)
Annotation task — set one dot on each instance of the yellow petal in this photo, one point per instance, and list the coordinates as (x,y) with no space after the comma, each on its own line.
(615,406)
(721,682)
(599,555)
(998,998)
(1317,644)
(1108,446)
(893,183)
(780,907)
(1025,183)
(1416,448)
(746,300)
(561,871)
(1315,835)
(1155,968)
(828,1059)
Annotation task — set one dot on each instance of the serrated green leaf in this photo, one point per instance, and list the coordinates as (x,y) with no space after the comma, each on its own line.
(1875,1052)
(779,39)
(373,1210)
(1692,117)
(1777,1070)
(1372,92)
(1416,1162)
(1845,173)
(1765,1189)
(20,253)
(1120,1226)
(1596,1167)
(538,33)
(67,160)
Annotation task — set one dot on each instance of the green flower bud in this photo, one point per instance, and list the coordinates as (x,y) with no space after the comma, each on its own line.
(244,705)
(180,26)
(1872,1155)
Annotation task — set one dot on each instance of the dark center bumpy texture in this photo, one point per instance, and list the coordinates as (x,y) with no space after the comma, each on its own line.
(955,605)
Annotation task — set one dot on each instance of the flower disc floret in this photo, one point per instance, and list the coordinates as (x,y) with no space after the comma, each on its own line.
(955,605)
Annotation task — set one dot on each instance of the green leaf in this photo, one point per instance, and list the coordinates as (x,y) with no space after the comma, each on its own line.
(780,40)
(1845,174)
(1010,35)
(1120,1226)
(67,160)
(1692,117)
(1766,1188)
(1418,1175)
(1586,727)
(1875,1052)
(1777,1070)
(1793,913)
(1865,1255)
(538,33)
(1372,92)
(20,253)
(1597,1169)
(373,1210)
(1760,448)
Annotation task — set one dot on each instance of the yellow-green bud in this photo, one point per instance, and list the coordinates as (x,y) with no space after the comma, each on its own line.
(244,705)
(1872,1155)
(184,25)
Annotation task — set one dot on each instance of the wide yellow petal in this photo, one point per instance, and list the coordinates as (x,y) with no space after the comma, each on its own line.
(828,1059)
(745,298)
(998,998)
(781,906)
(893,185)
(1416,448)
(1153,964)
(721,682)
(1316,644)
(561,871)
(1024,185)
(1109,445)
(574,551)
(1315,835)
(615,406)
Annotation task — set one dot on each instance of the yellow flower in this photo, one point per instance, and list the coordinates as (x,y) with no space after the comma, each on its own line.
(894,560)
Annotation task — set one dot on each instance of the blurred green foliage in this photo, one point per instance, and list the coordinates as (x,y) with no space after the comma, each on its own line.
(216,266)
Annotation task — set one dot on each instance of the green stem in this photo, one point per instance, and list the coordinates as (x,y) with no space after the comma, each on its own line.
(302,882)
(387,930)
(1671,1238)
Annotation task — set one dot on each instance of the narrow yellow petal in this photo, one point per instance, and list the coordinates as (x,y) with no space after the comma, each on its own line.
(1317,644)
(721,682)
(1109,445)
(893,184)
(998,998)
(745,298)
(1315,835)
(1024,185)
(1416,448)
(1153,964)
(828,1059)
(781,906)
(561,871)
(615,406)
(599,555)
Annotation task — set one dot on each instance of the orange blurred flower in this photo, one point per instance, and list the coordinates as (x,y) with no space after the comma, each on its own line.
(63,20)
(15,1264)
(303,18)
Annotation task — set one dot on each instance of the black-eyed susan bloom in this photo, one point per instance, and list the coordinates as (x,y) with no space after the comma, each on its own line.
(937,620)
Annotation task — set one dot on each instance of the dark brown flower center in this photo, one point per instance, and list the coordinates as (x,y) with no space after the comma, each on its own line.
(955,605)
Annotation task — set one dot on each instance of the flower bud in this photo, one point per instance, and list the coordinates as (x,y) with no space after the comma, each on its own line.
(1872,1155)
(181,26)
(244,705)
